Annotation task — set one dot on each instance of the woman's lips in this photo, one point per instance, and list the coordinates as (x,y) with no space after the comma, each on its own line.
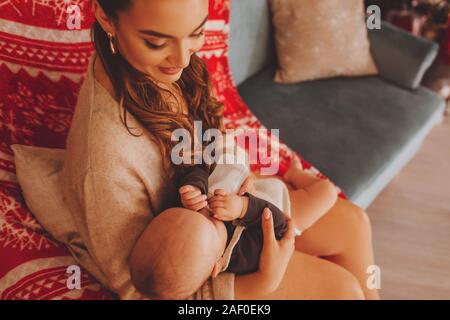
(170,70)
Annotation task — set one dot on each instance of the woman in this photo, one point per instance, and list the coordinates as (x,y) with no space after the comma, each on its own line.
(118,178)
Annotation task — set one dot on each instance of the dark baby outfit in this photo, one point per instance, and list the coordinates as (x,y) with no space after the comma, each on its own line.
(244,257)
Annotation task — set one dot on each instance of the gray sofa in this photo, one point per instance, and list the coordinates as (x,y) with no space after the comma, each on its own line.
(359,131)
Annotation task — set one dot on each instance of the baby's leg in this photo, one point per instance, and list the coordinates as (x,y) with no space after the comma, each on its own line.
(309,204)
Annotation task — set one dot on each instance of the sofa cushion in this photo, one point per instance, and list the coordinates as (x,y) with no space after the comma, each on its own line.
(401,57)
(350,128)
(320,39)
(39,173)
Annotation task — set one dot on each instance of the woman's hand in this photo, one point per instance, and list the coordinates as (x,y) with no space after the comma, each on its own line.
(273,261)
(192,198)
(275,254)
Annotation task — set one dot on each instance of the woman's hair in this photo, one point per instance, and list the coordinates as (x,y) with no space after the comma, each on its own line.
(140,96)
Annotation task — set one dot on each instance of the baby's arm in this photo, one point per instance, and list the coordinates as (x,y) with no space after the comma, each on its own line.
(193,188)
(248,209)
(196,176)
(312,202)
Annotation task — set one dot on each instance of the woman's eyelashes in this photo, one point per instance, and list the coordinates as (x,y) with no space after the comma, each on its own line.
(156,46)
(153,46)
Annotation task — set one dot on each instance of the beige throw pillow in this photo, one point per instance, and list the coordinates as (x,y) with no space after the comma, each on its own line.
(38,172)
(320,39)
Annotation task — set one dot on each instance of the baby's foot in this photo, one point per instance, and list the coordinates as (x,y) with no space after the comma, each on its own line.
(294,168)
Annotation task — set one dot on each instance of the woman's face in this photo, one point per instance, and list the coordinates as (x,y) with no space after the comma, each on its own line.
(155,34)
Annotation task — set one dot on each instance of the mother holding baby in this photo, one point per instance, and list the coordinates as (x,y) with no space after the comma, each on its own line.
(143,82)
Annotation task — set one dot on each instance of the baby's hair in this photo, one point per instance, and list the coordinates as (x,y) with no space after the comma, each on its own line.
(148,286)
(163,275)
(155,287)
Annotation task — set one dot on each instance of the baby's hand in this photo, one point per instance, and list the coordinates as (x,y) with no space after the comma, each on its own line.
(228,207)
(192,198)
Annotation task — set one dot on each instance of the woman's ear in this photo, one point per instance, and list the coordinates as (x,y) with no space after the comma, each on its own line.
(217,267)
(102,18)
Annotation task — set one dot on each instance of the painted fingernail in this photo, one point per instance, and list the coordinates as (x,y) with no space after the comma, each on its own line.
(266,214)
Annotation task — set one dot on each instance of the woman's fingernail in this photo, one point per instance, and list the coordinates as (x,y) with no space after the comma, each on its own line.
(266,214)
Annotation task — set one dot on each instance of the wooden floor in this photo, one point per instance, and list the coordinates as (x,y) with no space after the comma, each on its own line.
(411,224)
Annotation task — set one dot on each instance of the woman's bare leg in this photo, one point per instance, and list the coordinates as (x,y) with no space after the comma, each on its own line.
(343,235)
(296,176)
(312,278)
(312,203)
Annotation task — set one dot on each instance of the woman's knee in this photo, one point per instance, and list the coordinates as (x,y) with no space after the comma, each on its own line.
(344,285)
(362,221)
(333,282)
(312,278)
(356,217)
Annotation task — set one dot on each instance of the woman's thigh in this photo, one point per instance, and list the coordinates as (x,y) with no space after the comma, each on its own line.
(309,277)
(332,233)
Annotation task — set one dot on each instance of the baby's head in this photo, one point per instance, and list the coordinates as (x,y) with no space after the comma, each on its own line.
(184,250)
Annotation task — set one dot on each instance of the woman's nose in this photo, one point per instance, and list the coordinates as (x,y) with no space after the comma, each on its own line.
(182,55)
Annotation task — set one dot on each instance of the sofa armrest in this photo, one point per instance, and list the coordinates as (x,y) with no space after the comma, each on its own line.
(401,57)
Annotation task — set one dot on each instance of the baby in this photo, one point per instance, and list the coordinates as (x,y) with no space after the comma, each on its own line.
(233,209)
(224,234)
(178,263)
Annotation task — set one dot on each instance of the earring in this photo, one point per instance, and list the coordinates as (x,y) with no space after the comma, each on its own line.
(111,43)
